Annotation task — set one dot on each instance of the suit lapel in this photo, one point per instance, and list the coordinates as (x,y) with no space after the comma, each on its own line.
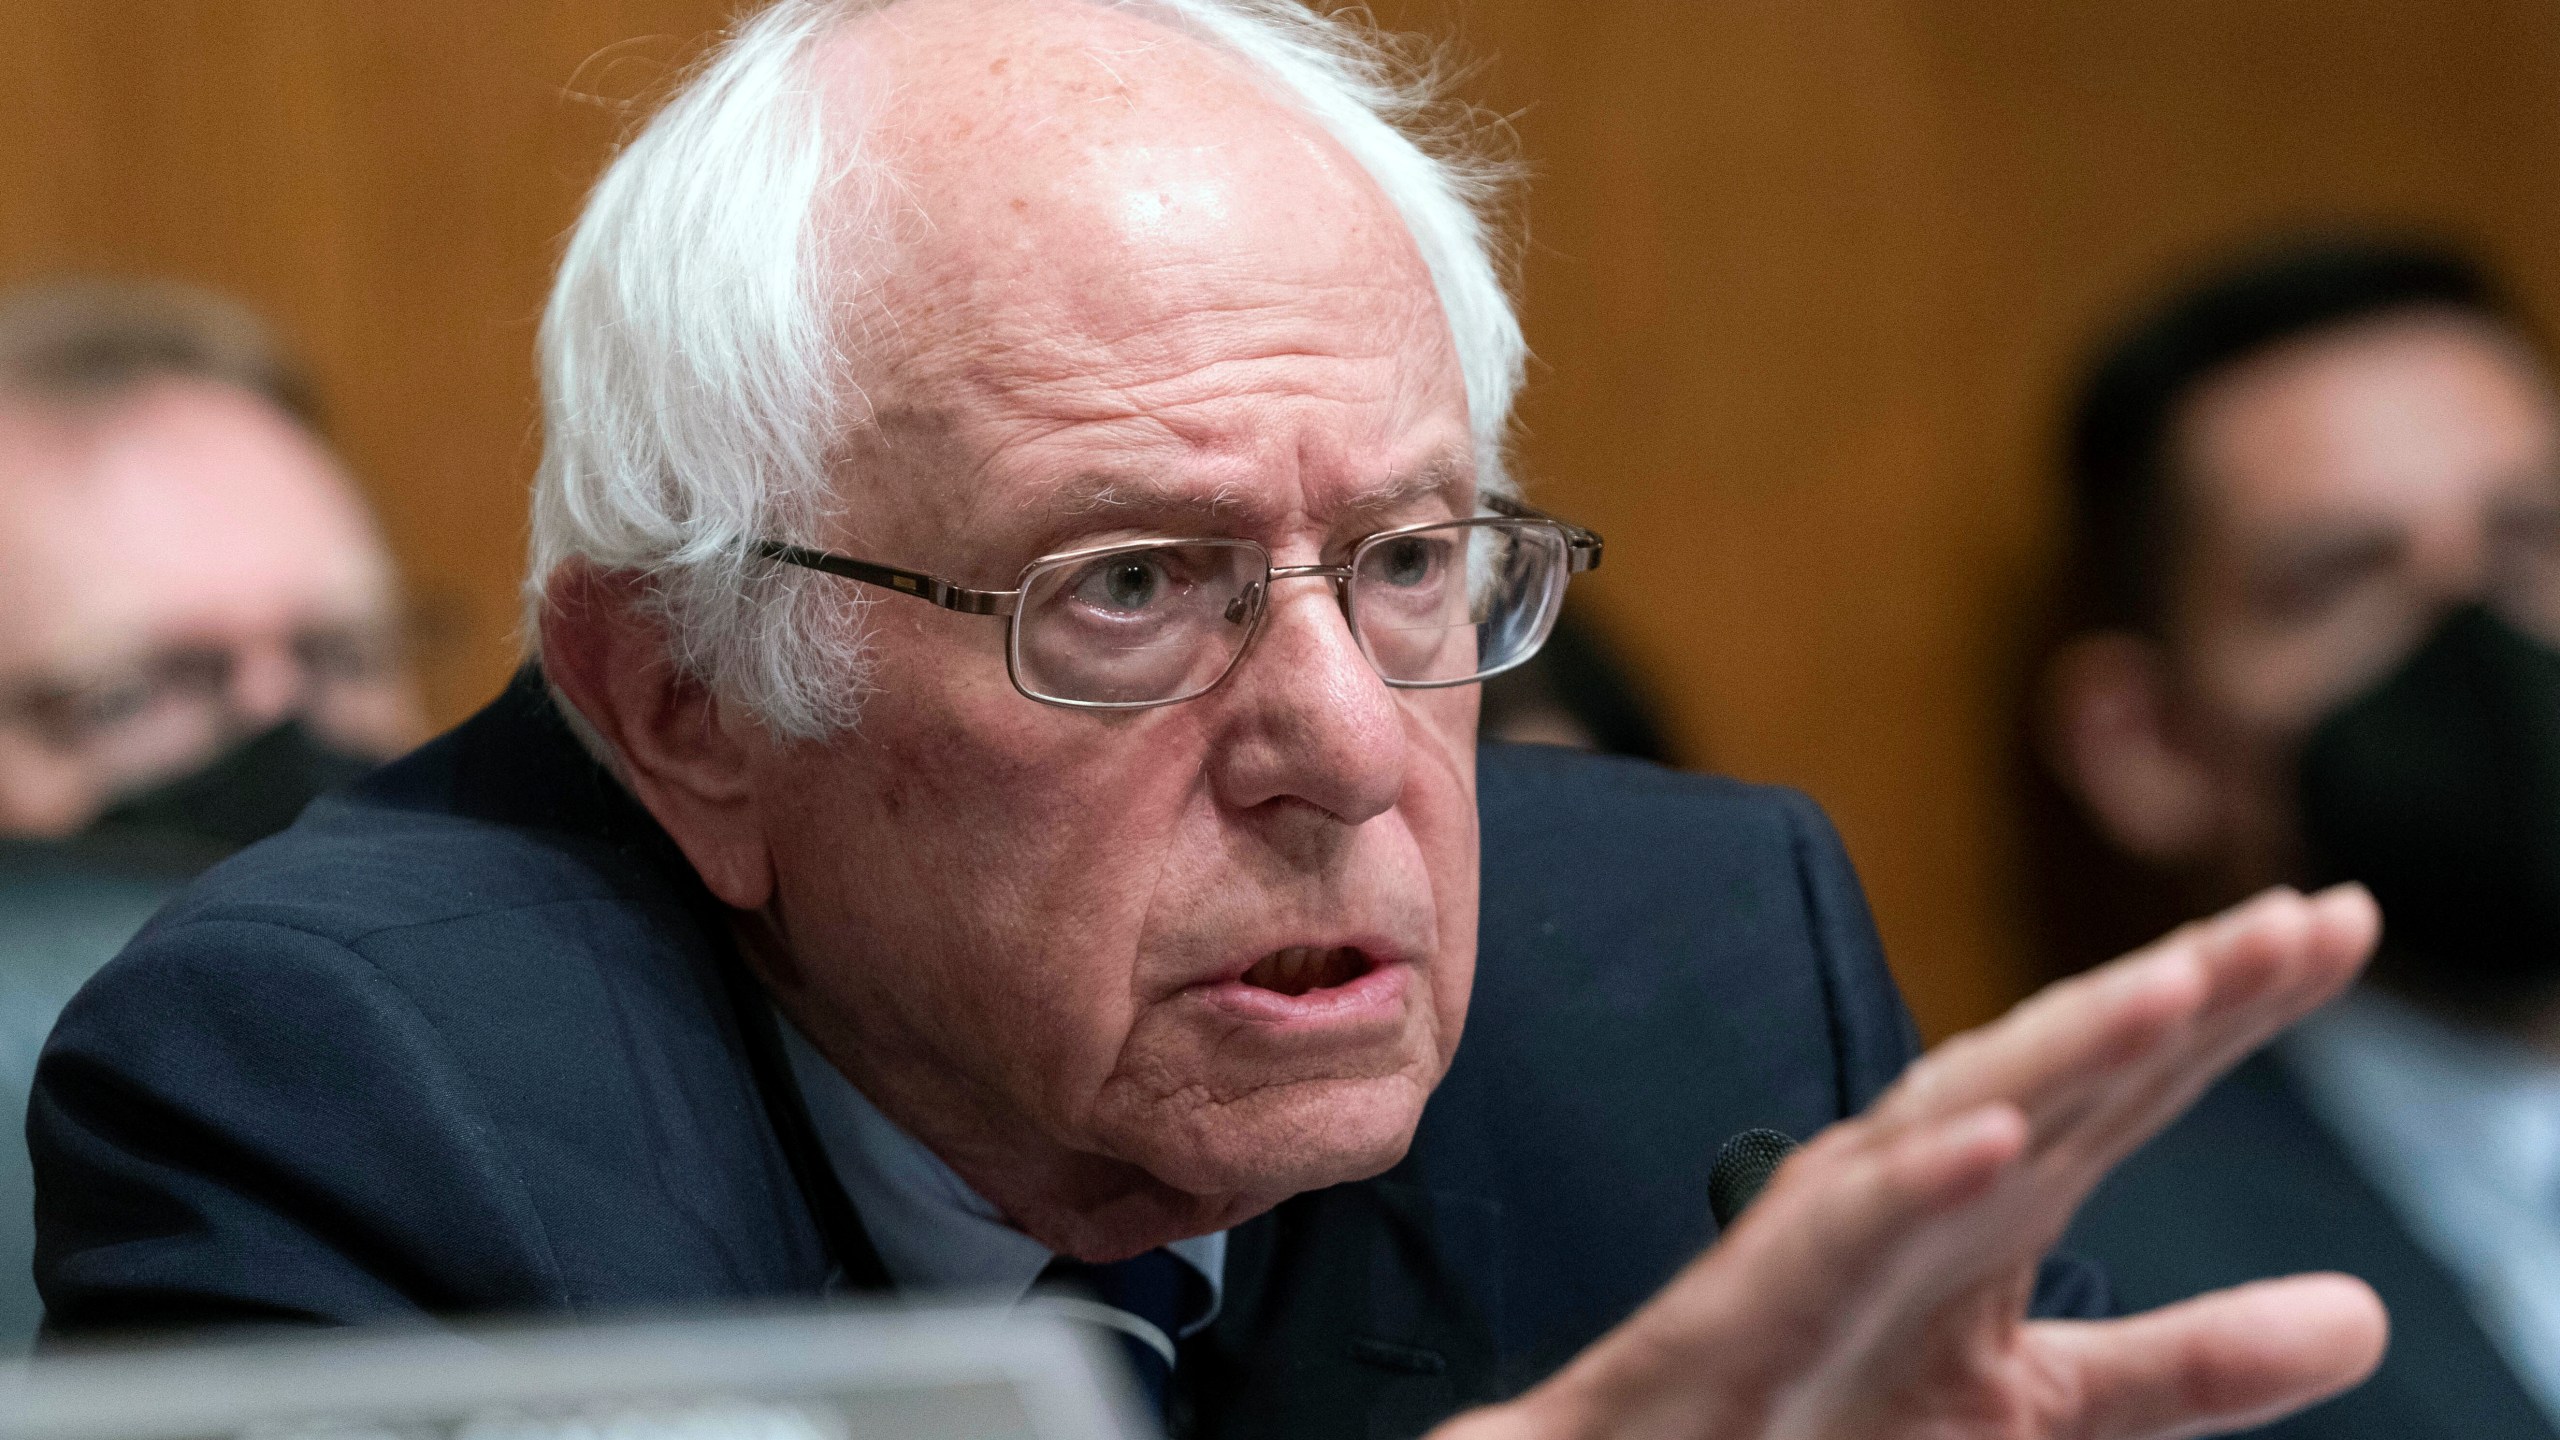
(854,1263)
(2438,1349)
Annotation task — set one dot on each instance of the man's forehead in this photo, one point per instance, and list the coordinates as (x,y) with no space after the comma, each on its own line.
(952,64)
(1047,496)
(2425,409)
(1133,286)
(1030,138)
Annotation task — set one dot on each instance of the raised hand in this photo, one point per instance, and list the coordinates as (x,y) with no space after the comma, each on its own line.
(1879,1287)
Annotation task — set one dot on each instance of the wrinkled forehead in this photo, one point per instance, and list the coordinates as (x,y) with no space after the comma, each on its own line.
(1098,220)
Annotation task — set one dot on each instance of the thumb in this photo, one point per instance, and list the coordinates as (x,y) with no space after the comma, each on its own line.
(2225,1361)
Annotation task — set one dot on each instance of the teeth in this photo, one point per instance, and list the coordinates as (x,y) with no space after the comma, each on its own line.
(1302,968)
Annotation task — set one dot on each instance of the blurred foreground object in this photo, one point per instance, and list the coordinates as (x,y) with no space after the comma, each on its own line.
(183,562)
(926,1374)
(2317,569)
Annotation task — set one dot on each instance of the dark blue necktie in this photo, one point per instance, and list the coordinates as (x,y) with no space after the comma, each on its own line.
(1155,1287)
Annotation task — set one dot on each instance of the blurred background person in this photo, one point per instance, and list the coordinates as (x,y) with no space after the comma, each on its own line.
(2316,546)
(203,633)
(190,576)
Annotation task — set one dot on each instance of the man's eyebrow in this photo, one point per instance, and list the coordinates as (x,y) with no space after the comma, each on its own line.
(1436,478)
(1110,494)
(2326,547)
(1116,494)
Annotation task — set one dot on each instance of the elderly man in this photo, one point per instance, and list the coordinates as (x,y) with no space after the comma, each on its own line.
(1022,513)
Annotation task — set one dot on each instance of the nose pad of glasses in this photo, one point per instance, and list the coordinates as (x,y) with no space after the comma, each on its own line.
(1241,608)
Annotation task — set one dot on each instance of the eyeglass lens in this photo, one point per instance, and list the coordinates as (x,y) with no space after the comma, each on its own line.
(1450,604)
(1165,621)
(1137,626)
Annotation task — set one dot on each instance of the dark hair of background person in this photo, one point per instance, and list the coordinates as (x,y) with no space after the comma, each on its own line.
(2123,554)
(93,339)
(1576,690)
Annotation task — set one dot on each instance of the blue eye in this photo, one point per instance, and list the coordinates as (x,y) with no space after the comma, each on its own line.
(1123,582)
(1408,561)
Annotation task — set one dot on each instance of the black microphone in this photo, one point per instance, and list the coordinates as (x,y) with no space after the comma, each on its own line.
(1743,1168)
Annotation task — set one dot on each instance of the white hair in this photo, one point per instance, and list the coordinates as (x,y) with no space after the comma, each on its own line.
(692,381)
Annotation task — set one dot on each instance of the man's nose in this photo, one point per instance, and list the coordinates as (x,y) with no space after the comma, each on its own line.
(267,682)
(1307,717)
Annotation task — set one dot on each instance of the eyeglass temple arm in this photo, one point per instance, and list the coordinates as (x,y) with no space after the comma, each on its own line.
(1582,547)
(1582,553)
(888,577)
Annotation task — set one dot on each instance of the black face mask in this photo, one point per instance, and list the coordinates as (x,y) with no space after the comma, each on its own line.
(245,794)
(2439,788)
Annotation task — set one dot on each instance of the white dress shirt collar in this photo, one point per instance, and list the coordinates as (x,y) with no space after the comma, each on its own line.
(2460,1131)
(934,1234)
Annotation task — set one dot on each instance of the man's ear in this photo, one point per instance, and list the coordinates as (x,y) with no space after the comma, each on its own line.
(684,753)
(2110,736)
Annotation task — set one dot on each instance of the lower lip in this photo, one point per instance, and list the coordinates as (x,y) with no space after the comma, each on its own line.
(1373,998)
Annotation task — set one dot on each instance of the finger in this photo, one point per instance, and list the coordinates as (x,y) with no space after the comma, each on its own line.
(1835,1213)
(2206,991)
(2089,1024)
(1807,1267)
(2203,998)
(2320,944)
(2229,1360)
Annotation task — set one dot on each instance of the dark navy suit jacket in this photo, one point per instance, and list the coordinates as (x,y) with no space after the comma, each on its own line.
(2250,1184)
(471,1038)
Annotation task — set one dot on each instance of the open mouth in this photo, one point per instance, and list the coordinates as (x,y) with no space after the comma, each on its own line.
(1302,968)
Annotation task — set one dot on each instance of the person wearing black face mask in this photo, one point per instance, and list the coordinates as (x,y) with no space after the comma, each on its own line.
(204,634)
(2439,788)
(2317,571)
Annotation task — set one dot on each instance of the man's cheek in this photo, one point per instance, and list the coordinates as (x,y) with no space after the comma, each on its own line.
(1084,915)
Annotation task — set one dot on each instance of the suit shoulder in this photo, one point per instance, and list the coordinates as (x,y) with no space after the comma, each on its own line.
(493,933)
(1619,821)
(1663,959)
(351,868)
(1548,814)
(1699,871)
(1530,784)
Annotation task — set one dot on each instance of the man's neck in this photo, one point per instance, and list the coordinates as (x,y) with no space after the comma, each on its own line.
(1086,1206)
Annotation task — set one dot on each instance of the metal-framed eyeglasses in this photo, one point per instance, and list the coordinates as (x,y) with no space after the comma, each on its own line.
(1152,622)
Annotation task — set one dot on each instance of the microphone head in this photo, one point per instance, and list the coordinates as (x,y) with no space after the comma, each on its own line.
(1743,1168)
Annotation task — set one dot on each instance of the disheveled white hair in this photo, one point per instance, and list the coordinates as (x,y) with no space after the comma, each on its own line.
(692,380)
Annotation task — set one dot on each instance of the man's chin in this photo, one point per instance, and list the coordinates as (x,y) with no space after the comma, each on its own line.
(1282,1140)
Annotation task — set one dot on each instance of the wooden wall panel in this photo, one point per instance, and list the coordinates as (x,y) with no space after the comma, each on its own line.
(1808,285)
(1805,282)
(387,180)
